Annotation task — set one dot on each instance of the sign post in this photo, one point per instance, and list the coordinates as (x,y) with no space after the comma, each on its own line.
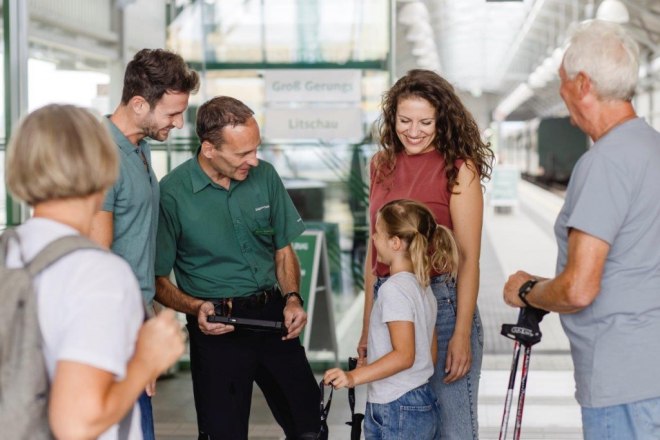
(504,187)
(319,337)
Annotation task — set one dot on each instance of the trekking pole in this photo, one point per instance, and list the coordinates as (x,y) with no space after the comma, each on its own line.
(525,332)
(523,389)
(509,391)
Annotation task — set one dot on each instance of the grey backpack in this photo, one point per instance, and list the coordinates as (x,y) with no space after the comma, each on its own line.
(24,385)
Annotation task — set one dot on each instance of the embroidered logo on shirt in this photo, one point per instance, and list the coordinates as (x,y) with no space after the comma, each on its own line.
(261,207)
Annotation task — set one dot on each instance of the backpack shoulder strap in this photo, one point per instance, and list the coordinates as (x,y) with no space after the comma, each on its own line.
(5,238)
(58,249)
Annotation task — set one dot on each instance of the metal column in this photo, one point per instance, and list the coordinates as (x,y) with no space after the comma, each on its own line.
(15,23)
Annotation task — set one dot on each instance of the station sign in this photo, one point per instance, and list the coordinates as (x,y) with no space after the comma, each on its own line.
(313,123)
(313,85)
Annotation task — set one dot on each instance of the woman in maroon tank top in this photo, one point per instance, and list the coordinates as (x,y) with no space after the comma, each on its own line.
(431,151)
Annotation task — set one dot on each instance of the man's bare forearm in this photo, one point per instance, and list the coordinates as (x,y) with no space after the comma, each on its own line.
(287,269)
(169,295)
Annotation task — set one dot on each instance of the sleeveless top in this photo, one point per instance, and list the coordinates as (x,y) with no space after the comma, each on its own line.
(419,177)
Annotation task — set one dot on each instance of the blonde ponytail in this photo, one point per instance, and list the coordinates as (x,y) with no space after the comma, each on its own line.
(414,224)
(445,251)
(419,255)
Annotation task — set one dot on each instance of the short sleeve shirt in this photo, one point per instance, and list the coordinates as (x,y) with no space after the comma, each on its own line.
(89,306)
(222,243)
(401,298)
(613,196)
(133,201)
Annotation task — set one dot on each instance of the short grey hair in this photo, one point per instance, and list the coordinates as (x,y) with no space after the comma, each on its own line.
(59,152)
(608,55)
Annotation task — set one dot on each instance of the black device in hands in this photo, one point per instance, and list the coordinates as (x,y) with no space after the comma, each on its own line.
(223,308)
(247,323)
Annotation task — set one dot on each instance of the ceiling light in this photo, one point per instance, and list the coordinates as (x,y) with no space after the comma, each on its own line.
(613,10)
(519,95)
(557,56)
(423,47)
(429,58)
(536,80)
(411,13)
(550,65)
(655,64)
(419,32)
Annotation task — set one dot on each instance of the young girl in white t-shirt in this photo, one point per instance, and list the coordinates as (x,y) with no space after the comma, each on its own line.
(402,345)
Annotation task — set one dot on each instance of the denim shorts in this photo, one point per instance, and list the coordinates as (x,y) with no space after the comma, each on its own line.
(416,415)
(634,421)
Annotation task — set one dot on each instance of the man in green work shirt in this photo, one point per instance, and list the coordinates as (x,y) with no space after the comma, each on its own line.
(226,225)
(157,85)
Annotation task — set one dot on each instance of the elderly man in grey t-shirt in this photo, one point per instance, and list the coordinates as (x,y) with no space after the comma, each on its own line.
(607,286)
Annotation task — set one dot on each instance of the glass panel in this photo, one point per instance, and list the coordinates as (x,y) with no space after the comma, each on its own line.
(3,191)
(280,31)
(53,81)
(327,179)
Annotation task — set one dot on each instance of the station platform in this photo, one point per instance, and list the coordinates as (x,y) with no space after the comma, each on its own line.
(519,239)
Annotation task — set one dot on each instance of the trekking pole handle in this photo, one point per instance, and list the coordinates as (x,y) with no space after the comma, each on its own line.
(526,330)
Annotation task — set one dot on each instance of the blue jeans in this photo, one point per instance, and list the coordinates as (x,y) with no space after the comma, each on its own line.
(147,416)
(416,415)
(633,421)
(458,400)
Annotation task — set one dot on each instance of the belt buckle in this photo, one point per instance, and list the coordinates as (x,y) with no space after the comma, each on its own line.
(223,306)
(262,298)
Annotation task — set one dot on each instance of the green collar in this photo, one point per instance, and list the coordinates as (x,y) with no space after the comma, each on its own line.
(121,140)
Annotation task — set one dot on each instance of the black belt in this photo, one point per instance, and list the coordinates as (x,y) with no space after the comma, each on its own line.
(258,299)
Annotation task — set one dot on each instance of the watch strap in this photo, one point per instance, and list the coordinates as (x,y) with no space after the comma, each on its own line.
(294,294)
(525,289)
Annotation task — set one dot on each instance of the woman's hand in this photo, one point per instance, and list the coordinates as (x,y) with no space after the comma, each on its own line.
(459,358)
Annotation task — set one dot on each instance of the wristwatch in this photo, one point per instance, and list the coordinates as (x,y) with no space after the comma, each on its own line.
(525,289)
(297,295)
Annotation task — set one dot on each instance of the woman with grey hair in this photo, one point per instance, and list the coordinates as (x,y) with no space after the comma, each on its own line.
(99,355)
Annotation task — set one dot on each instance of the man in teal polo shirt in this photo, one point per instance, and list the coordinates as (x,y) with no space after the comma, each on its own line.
(226,225)
(157,85)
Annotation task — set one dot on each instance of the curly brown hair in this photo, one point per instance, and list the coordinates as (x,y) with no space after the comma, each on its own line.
(457,134)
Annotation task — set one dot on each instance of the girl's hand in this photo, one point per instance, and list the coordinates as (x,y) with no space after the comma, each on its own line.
(338,378)
(459,358)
